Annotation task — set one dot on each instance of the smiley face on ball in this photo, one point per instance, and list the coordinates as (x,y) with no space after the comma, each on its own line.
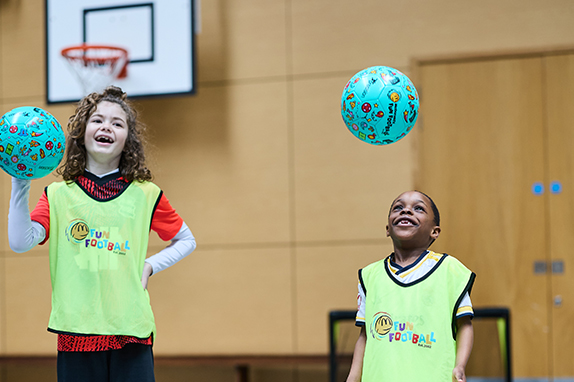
(394,96)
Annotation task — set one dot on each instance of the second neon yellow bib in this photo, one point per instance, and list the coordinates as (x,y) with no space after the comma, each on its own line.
(410,327)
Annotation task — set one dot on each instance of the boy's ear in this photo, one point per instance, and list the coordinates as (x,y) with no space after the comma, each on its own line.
(435,232)
(388,233)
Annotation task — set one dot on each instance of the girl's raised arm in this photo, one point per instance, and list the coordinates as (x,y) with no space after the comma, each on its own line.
(23,233)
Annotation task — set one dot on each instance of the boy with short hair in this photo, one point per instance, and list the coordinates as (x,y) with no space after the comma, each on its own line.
(414,306)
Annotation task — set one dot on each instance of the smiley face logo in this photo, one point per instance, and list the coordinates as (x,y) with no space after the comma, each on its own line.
(77,231)
(394,96)
(381,325)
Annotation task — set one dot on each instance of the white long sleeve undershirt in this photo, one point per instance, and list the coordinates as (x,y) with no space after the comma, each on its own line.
(24,234)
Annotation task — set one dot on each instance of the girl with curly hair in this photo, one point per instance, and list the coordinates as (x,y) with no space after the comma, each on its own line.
(98,221)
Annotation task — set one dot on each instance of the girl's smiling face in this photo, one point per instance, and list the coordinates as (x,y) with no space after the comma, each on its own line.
(411,220)
(106,134)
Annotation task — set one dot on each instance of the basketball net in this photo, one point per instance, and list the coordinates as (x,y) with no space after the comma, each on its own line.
(96,66)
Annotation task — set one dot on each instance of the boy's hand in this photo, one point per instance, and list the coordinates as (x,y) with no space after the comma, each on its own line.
(458,374)
(464,340)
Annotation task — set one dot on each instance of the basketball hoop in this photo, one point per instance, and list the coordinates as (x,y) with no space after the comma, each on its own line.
(96,66)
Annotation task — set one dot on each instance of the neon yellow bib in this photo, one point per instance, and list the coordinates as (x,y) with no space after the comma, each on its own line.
(411,327)
(97,253)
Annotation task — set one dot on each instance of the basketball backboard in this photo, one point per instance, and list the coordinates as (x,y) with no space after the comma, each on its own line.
(158,35)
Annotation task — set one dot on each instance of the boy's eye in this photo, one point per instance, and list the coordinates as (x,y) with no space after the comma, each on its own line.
(397,208)
(419,208)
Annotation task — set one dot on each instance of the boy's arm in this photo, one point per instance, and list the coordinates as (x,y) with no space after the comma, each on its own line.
(464,341)
(357,365)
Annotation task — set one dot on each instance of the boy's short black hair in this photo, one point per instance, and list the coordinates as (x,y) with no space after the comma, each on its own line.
(434,209)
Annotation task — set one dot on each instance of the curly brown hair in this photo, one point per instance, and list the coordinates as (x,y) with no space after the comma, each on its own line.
(132,161)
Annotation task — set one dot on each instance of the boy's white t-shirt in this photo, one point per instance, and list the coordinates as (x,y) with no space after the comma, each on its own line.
(413,272)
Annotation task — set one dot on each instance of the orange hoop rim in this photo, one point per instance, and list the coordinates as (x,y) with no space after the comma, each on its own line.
(67,53)
(86,47)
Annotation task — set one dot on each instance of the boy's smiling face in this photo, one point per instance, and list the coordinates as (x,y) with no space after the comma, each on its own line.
(411,221)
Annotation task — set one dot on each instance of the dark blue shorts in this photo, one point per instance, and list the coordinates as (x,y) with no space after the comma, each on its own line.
(132,363)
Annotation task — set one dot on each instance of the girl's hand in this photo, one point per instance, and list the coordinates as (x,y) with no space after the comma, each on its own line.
(147,271)
(458,374)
